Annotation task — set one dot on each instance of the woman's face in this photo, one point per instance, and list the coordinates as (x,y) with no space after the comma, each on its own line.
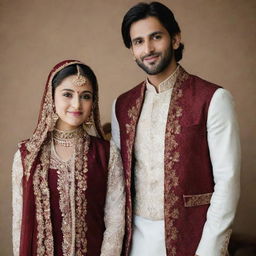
(73,103)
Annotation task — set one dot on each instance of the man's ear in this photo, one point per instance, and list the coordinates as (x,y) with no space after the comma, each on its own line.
(131,50)
(176,39)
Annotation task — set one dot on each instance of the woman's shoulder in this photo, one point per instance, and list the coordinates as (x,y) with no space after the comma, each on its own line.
(22,143)
(99,147)
(22,146)
(99,142)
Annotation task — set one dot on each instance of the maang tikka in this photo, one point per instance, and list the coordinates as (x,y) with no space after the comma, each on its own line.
(79,80)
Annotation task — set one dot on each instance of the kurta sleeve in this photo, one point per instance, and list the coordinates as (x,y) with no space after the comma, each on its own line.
(115,206)
(115,130)
(224,147)
(17,173)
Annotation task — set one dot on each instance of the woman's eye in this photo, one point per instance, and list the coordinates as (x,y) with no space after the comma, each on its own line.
(86,97)
(67,94)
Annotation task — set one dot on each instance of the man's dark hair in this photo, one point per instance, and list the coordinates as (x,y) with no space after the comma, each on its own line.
(155,9)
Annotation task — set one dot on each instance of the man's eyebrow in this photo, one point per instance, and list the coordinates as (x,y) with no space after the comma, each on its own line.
(150,35)
(136,38)
(156,33)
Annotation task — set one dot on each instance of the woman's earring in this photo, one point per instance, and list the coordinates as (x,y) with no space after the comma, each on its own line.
(55,118)
(89,123)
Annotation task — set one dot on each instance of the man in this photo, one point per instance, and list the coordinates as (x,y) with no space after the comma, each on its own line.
(179,143)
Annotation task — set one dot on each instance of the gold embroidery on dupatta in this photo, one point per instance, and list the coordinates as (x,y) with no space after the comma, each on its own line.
(81,202)
(196,200)
(171,158)
(45,122)
(38,143)
(42,201)
(133,115)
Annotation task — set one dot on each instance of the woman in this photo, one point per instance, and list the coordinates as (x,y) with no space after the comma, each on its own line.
(68,196)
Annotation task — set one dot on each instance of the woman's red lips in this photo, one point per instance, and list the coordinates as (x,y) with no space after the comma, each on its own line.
(75,113)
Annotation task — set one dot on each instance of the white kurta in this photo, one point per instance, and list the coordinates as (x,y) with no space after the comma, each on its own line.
(224,146)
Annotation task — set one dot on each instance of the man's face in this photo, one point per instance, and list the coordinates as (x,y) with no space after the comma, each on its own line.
(151,45)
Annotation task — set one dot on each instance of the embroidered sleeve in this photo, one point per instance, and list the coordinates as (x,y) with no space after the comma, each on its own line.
(114,208)
(17,173)
(115,130)
(224,146)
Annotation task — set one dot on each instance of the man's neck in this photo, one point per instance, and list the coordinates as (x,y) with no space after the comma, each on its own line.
(157,79)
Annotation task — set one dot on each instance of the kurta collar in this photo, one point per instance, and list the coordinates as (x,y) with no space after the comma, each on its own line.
(167,84)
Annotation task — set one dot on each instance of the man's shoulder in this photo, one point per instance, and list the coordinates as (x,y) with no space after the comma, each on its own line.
(202,83)
(136,90)
(199,89)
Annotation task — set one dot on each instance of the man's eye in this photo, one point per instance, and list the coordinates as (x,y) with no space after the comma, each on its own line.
(137,42)
(67,94)
(156,37)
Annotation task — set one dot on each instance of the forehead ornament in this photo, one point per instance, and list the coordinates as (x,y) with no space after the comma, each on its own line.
(79,80)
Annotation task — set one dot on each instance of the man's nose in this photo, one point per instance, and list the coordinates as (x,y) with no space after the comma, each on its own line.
(149,47)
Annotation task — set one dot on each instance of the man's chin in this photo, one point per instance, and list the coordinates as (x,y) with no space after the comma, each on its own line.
(149,69)
(152,72)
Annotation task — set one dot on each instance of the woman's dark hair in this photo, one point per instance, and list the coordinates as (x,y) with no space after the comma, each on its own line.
(72,70)
(155,9)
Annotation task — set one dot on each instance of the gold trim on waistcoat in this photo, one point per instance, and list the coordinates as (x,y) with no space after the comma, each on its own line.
(197,200)
(133,115)
(171,157)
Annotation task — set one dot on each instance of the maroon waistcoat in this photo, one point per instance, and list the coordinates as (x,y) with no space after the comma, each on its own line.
(97,175)
(188,181)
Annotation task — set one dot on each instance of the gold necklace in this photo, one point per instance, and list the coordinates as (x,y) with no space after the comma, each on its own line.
(66,138)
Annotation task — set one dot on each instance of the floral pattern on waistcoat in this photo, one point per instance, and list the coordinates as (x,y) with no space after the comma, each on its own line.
(172,156)
(176,193)
(196,200)
(133,116)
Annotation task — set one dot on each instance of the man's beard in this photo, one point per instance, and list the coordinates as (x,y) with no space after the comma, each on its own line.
(161,66)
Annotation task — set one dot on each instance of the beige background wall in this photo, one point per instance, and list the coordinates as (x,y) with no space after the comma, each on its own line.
(219,37)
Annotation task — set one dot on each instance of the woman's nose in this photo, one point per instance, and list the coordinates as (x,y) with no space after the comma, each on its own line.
(76,102)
